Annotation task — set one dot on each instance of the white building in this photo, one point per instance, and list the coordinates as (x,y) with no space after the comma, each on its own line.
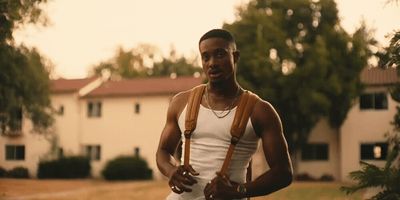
(111,118)
(361,136)
(100,119)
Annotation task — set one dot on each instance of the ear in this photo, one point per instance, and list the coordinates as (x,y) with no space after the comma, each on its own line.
(236,56)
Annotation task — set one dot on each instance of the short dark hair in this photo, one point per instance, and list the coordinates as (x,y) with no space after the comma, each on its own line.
(218,33)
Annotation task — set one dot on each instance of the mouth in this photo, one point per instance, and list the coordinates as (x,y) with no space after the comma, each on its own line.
(214,73)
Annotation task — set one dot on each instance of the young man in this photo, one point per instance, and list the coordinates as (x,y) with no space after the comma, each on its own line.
(211,138)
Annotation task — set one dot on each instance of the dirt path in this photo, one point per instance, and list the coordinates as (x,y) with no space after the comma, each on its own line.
(11,189)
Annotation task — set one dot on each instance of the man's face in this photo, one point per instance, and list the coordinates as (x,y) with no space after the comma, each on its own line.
(218,58)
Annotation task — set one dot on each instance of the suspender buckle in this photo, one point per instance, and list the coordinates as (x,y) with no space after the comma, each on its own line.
(188,134)
(234,140)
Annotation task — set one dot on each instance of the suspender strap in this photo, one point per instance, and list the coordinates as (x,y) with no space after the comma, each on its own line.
(191,118)
(242,115)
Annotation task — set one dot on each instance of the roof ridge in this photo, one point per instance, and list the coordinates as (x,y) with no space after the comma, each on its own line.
(379,76)
(145,86)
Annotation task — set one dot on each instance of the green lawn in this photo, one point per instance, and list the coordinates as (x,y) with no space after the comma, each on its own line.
(88,189)
(311,191)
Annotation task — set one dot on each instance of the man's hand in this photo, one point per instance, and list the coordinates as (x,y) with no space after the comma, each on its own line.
(181,178)
(221,187)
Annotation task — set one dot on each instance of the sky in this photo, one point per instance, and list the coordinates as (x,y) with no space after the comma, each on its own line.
(83,33)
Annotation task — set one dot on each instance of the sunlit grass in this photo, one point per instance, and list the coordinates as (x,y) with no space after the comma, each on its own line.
(150,190)
(312,190)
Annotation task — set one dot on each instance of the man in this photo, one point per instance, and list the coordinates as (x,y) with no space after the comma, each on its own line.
(211,137)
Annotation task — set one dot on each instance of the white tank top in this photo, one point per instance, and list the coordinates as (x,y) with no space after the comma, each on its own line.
(209,144)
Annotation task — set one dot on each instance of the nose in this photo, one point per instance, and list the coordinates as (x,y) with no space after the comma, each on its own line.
(212,63)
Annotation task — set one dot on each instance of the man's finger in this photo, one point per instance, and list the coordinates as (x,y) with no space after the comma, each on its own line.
(176,189)
(192,171)
(209,189)
(188,179)
(182,187)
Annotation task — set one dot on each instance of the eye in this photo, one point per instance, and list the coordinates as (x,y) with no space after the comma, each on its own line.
(220,53)
(205,57)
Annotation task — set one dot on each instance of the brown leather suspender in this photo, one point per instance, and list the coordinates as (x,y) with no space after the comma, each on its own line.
(191,118)
(242,115)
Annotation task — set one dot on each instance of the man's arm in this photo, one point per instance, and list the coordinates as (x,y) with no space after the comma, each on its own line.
(268,126)
(169,140)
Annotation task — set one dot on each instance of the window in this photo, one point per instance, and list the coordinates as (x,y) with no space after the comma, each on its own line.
(94,109)
(15,152)
(93,152)
(374,151)
(137,108)
(315,152)
(376,101)
(60,110)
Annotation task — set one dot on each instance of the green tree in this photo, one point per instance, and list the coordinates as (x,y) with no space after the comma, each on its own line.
(296,55)
(24,77)
(127,63)
(390,56)
(143,61)
(15,13)
(180,66)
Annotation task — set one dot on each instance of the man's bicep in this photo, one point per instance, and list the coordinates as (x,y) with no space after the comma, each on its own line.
(275,149)
(273,141)
(170,137)
(171,134)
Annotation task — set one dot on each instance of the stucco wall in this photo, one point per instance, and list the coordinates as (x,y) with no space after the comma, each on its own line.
(120,130)
(322,133)
(67,126)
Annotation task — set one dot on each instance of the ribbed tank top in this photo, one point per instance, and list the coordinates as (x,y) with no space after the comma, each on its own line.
(209,144)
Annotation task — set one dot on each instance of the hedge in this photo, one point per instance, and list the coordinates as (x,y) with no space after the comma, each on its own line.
(3,172)
(18,172)
(127,168)
(65,167)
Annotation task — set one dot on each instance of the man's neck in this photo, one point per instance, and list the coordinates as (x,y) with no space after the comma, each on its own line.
(224,89)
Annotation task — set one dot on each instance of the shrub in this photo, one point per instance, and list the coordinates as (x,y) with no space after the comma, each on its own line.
(18,172)
(65,167)
(127,168)
(326,177)
(304,177)
(3,172)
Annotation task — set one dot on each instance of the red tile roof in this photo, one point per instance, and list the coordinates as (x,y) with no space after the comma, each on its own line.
(379,76)
(69,85)
(145,86)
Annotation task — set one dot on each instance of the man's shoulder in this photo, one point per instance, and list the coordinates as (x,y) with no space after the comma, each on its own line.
(180,100)
(262,106)
(184,95)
